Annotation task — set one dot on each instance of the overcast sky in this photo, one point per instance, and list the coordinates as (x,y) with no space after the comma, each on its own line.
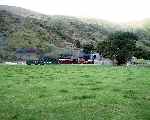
(112,10)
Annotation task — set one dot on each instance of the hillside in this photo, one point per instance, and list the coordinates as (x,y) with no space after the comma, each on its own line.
(21,11)
(22,28)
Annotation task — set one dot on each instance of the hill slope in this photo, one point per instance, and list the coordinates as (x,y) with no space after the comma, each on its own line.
(22,28)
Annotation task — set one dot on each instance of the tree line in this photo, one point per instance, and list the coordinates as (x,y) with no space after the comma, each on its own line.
(120,46)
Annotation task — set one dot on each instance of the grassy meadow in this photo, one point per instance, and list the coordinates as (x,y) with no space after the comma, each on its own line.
(74,92)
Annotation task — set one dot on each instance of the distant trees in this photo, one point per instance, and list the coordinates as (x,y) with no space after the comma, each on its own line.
(141,53)
(120,46)
(88,47)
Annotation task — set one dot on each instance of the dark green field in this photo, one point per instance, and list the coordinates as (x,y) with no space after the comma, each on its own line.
(74,92)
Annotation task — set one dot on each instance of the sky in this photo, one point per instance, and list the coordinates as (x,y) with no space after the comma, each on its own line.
(111,10)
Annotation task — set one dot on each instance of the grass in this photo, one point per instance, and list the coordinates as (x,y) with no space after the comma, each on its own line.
(74,92)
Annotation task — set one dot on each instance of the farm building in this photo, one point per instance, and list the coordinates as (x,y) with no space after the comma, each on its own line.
(23,54)
(80,57)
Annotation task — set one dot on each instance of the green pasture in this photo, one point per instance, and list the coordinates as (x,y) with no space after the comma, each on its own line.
(74,92)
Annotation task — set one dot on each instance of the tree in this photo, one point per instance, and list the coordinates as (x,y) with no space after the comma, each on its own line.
(103,48)
(141,53)
(120,45)
(88,47)
(77,43)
